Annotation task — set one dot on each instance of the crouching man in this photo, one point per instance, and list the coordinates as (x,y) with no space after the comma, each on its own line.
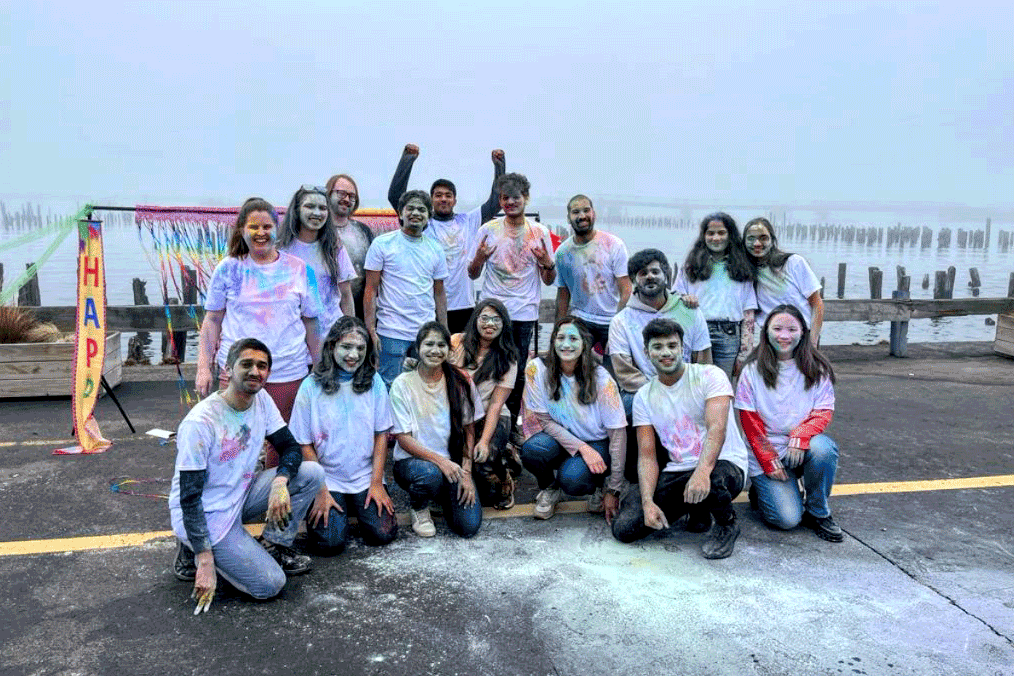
(216,488)
(685,408)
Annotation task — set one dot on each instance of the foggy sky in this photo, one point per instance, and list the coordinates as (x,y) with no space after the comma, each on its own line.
(210,102)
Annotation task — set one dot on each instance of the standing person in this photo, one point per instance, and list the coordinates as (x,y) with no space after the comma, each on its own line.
(573,424)
(356,236)
(341,419)
(718,277)
(687,409)
(259,291)
(785,399)
(782,277)
(486,352)
(631,366)
(216,488)
(592,279)
(435,406)
(405,275)
(454,231)
(309,234)
(517,255)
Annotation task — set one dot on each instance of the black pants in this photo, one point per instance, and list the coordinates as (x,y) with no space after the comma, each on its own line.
(726,483)
(457,320)
(522,334)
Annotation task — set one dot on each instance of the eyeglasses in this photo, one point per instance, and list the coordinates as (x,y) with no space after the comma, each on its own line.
(490,319)
(342,194)
(306,187)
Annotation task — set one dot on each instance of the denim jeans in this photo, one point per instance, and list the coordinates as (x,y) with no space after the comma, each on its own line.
(781,503)
(522,334)
(239,558)
(392,352)
(423,481)
(724,344)
(726,483)
(376,528)
(543,456)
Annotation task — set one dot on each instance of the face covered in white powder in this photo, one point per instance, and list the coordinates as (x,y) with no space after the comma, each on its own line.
(415,217)
(784,334)
(716,237)
(567,343)
(350,351)
(433,350)
(666,353)
(758,241)
(312,211)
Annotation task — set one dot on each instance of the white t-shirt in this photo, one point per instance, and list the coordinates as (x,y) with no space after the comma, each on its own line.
(677,414)
(423,411)
(793,286)
(512,273)
(267,302)
(625,330)
(457,238)
(408,266)
(589,271)
(783,408)
(227,443)
(328,297)
(587,422)
(719,297)
(341,427)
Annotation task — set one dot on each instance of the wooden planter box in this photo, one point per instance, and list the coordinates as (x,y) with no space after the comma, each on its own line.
(45,369)
(1004,343)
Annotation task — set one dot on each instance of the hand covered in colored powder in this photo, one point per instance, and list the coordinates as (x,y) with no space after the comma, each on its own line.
(654,517)
(204,582)
(279,504)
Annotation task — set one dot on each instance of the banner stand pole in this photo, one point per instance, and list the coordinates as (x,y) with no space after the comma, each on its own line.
(116,401)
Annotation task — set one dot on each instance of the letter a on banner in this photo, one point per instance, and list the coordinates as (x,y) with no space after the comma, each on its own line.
(90,338)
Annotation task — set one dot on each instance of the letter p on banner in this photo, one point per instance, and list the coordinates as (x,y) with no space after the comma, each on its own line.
(89,338)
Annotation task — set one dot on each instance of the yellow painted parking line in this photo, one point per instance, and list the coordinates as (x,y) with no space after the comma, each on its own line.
(61,443)
(77,544)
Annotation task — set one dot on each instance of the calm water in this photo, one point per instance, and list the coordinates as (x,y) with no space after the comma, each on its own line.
(125,259)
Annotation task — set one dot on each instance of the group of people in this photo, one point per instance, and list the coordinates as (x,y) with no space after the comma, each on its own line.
(331,343)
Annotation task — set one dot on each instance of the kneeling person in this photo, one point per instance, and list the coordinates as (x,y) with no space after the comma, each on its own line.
(687,409)
(216,488)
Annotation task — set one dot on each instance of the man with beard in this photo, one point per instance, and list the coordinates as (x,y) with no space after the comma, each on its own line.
(454,231)
(405,275)
(216,488)
(592,279)
(683,415)
(356,236)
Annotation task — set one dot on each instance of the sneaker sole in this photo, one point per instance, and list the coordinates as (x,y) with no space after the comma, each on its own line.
(539,515)
(829,537)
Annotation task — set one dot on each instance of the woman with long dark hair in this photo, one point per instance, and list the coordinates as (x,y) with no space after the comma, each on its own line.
(785,399)
(308,233)
(782,277)
(341,418)
(435,406)
(718,277)
(260,292)
(574,423)
(486,352)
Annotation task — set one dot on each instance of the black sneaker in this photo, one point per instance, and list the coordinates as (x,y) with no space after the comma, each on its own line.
(754,499)
(721,541)
(291,561)
(184,565)
(824,527)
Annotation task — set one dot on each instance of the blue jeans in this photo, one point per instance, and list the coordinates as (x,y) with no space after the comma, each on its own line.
(780,502)
(543,456)
(376,528)
(724,344)
(423,481)
(239,558)
(392,352)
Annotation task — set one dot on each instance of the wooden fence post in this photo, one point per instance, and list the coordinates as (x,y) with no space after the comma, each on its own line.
(899,330)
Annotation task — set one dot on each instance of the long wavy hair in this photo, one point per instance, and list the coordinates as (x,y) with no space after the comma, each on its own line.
(776,257)
(699,260)
(810,361)
(237,245)
(327,237)
(327,372)
(584,370)
(459,391)
(502,351)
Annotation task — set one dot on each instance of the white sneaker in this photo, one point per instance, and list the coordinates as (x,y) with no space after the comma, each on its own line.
(595,505)
(422,523)
(545,502)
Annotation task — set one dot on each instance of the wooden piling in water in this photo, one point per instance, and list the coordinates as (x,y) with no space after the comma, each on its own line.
(925,281)
(841,280)
(28,295)
(876,282)
(951,273)
(940,285)
(1010,286)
